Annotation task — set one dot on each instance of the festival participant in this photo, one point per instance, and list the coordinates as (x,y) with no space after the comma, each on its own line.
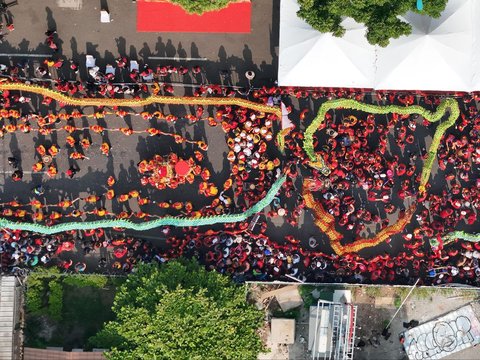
(17,175)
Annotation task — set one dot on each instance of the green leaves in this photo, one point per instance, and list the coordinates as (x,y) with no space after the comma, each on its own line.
(181,311)
(201,6)
(55,300)
(379,16)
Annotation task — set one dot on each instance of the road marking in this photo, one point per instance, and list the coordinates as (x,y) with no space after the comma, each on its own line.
(27,55)
(176,58)
(24,172)
(70,4)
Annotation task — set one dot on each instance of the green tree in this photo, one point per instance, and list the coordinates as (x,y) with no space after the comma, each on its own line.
(181,311)
(379,16)
(201,6)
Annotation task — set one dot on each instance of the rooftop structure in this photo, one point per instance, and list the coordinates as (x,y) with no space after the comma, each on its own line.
(332,329)
(8,316)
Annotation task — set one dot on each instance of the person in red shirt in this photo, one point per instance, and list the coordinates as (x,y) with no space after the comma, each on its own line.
(71,172)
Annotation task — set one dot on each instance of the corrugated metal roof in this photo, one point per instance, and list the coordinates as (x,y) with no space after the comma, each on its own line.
(7,316)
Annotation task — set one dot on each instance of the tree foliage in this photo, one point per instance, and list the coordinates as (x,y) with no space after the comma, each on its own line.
(201,6)
(37,289)
(379,16)
(55,299)
(181,311)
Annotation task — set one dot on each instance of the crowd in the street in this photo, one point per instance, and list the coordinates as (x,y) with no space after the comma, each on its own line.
(375,163)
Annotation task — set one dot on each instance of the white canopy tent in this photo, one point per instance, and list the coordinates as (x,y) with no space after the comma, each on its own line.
(310,58)
(440,54)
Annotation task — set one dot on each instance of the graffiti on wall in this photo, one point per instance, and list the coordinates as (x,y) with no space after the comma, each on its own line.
(454,332)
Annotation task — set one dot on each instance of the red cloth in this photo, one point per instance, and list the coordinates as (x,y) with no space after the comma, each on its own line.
(162,171)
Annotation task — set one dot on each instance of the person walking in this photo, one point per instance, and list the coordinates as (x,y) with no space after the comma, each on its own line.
(13,162)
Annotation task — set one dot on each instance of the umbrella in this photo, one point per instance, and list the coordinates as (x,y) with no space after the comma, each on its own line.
(182,168)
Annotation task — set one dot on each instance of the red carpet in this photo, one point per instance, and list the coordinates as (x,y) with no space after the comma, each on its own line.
(166,17)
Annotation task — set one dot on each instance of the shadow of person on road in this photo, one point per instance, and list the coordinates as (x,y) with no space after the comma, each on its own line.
(51,23)
(170,50)
(145,52)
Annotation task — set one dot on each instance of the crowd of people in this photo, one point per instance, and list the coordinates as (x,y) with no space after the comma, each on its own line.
(375,164)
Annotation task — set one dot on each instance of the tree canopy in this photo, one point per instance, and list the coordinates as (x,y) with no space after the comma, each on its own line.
(201,6)
(379,16)
(180,311)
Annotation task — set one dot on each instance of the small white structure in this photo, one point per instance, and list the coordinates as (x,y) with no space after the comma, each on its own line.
(90,61)
(134,65)
(148,78)
(104,16)
(331,333)
(109,70)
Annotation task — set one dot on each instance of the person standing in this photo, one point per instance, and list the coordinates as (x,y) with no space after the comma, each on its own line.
(17,175)
(71,172)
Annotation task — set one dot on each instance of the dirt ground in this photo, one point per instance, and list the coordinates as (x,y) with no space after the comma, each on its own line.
(375,307)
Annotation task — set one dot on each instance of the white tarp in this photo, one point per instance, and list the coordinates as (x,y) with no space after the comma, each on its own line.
(440,54)
(310,58)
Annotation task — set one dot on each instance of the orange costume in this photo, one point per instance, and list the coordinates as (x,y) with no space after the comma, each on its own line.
(134,193)
(53,151)
(126,131)
(65,204)
(123,198)
(100,212)
(39,216)
(20,213)
(55,215)
(76,213)
(70,141)
(110,194)
(37,167)
(92,199)
(41,150)
(105,149)
(143,201)
(85,143)
(52,171)
(36,204)
(77,156)
(110,181)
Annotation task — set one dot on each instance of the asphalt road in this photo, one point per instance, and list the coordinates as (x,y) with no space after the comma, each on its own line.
(80,32)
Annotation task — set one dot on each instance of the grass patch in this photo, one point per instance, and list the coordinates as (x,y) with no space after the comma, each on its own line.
(65,310)
(397,301)
(373,291)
